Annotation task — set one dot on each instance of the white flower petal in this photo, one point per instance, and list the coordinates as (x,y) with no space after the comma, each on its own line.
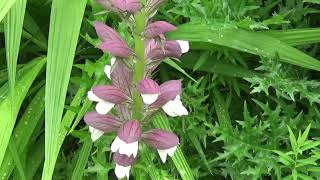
(93,97)
(163,155)
(95,133)
(175,108)
(169,109)
(184,45)
(107,71)
(129,149)
(116,144)
(103,107)
(149,98)
(171,151)
(122,171)
(112,61)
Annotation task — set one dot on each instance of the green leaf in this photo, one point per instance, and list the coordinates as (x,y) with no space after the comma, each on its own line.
(82,160)
(179,159)
(23,131)
(14,153)
(309,145)
(177,67)
(312,1)
(296,37)
(35,158)
(65,22)
(304,136)
(5,6)
(6,122)
(245,41)
(13,29)
(293,140)
(294,174)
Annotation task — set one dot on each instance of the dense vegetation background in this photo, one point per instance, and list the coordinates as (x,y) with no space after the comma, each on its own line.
(251,84)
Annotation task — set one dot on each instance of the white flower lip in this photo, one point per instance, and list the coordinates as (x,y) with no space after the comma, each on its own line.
(184,46)
(95,133)
(122,171)
(107,71)
(149,98)
(164,152)
(175,108)
(102,107)
(124,148)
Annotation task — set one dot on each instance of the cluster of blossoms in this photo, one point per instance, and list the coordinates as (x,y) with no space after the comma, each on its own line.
(119,95)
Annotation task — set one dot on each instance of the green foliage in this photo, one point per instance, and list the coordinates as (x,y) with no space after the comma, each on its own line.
(251,85)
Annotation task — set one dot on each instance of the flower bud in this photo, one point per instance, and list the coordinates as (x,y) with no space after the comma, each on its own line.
(121,77)
(130,6)
(111,41)
(157,28)
(153,6)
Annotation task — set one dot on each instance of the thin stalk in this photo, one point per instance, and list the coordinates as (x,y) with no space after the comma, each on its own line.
(138,74)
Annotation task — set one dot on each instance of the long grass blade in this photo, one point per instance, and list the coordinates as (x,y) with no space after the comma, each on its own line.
(14,153)
(5,6)
(13,29)
(23,131)
(65,22)
(82,160)
(246,41)
(6,122)
(179,159)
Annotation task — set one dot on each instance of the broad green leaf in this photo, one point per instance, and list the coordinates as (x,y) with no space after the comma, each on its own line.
(65,22)
(179,159)
(5,6)
(214,66)
(82,160)
(23,131)
(296,37)
(245,41)
(6,122)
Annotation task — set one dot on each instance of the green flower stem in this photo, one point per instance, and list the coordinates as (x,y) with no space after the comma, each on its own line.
(140,22)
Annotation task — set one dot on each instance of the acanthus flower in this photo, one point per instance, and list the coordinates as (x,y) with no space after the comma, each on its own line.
(125,90)
(164,141)
(107,97)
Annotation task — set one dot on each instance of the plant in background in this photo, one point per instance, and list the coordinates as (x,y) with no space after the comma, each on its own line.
(133,94)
